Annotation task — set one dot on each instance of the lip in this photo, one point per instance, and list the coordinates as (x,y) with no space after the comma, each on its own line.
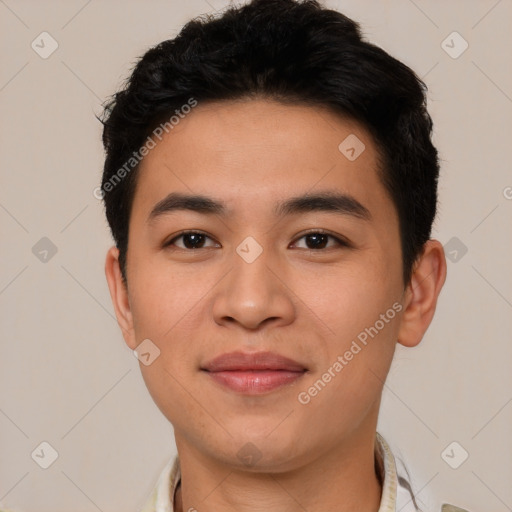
(254,373)
(243,361)
(255,382)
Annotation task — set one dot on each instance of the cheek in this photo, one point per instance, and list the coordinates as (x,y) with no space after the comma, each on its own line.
(163,298)
(344,388)
(360,314)
(346,300)
(167,308)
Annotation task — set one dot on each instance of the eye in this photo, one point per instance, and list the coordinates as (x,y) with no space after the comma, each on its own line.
(315,240)
(318,239)
(191,240)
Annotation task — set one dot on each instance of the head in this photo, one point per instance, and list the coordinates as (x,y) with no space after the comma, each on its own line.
(306,156)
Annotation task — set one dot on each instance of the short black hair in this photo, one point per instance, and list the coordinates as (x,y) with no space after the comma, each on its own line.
(295,53)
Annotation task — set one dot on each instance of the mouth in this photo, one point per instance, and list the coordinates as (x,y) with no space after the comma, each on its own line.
(255,373)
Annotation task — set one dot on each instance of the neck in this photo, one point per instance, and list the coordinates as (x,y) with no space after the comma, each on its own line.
(341,480)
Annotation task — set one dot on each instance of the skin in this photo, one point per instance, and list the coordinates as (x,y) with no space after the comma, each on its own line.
(304,303)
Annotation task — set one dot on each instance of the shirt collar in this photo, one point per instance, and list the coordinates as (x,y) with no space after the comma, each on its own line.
(394,496)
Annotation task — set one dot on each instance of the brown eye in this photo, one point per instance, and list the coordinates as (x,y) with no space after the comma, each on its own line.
(316,240)
(191,240)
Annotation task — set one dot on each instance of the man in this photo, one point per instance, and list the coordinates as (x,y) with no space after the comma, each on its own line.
(271,184)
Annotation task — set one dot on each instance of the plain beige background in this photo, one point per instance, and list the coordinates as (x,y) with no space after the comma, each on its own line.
(66,376)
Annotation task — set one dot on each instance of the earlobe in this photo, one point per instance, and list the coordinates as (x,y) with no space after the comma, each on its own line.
(119,295)
(427,280)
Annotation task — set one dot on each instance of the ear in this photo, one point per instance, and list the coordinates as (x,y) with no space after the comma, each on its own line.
(119,295)
(428,277)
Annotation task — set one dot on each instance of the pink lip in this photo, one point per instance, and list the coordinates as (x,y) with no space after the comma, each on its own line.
(255,382)
(252,361)
(254,373)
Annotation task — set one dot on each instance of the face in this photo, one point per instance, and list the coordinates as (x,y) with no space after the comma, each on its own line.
(318,282)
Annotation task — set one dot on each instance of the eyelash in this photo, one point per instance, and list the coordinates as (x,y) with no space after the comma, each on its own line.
(341,242)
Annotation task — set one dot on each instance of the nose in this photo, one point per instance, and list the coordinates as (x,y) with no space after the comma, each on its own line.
(254,294)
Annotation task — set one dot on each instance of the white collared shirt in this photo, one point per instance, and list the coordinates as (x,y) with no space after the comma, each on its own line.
(396,496)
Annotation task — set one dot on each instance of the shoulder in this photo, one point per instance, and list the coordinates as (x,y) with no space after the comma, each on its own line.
(405,497)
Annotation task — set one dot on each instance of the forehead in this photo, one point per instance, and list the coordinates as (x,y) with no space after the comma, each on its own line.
(253,153)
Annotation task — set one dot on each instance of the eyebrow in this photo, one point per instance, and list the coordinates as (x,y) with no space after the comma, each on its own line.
(327,201)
